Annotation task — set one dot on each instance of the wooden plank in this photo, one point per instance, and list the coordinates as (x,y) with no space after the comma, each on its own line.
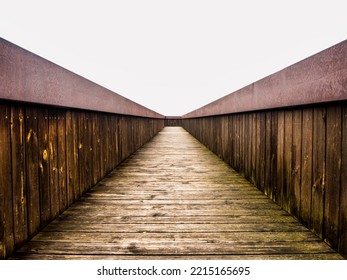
(232,141)
(116,144)
(61,151)
(274,155)
(153,237)
(258,151)
(32,172)
(69,158)
(81,153)
(318,169)
(343,194)
(278,191)
(88,151)
(246,136)
(237,143)
(6,196)
(94,147)
(306,167)
(333,175)
(262,151)
(53,163)
(295,192)
(44,180)
(20,213)
(253,143)
(242,144)
(287,160)
(268,153)
(316,256)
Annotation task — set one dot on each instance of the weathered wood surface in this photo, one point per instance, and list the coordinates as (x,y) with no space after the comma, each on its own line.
(49,157)
(174,199)
(298,158)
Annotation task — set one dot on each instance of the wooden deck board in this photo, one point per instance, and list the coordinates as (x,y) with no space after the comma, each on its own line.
(174,199)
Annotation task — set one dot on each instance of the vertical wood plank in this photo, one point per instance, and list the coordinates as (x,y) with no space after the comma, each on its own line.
(6,196)
(53,163)
(62,173)
(237,142)
(19,176)
(88,152)
(287,162)
(242,144)
(306,166)
(44,181)
(95,136)
(273,157)
(69,157)
(333,175)
(278,191)
(262,151)
(296,163)
(32,172)
(318,169)
(258,150)
(254,148)
(343,196)
(268,153)
(232,141)
(247,137)
(116,144)
(81,153)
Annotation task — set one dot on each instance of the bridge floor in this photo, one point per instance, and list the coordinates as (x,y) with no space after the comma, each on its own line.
(174,199)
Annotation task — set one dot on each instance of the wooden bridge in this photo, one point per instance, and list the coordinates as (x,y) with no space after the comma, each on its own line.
(104,178)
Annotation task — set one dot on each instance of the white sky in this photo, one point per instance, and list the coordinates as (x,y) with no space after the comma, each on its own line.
(174,56)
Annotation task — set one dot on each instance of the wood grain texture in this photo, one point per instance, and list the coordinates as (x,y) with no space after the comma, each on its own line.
(6,196)
(174,199)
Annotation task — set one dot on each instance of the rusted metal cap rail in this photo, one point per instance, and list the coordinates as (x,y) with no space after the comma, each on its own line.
(320,78)
(26,77)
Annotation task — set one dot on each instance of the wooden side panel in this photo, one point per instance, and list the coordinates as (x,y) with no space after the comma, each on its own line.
(274,155)
(248,151)
(254,148)
(95,155)
(343,195)
(258,151)
(306,167)
(268,153)
(45,194)
(53,163)
(32,171)
(230,141)
(81,153)
(287,159)
(242,143)
(333,175)
(62,174)
(262,156)
(278,191)
(20,214)
(318,169)
(6,198)
(296,163)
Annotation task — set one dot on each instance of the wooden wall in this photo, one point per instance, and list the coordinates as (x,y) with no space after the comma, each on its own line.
(297,157)
(49,157)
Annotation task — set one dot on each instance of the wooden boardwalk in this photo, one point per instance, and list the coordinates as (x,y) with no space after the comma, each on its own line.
(174,199)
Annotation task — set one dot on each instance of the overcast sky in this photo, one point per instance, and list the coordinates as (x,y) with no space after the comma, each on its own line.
(174,56)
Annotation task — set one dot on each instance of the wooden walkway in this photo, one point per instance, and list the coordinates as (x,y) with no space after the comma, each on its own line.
(174,199)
